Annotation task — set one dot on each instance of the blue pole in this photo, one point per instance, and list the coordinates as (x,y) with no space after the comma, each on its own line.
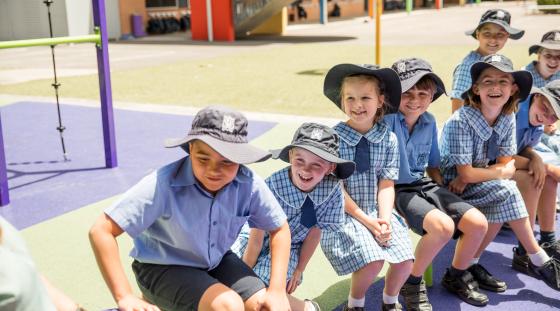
(4,195)
(104,74)
(323,11)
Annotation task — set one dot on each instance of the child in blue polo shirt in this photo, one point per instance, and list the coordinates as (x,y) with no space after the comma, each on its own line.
(492,33)
(547,66)
(310,193)
(537,180)
(372,233)
(184,218)
(477,149)
(431,210)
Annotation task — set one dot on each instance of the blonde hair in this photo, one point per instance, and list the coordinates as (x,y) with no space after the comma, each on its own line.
(510,107)
(380,86)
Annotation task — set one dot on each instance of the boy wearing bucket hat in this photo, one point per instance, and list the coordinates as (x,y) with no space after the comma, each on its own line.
(547,66)
(492,33)
(184,218)
(372,232)
(430,210)
(539,190)
(477,149)
(310,193)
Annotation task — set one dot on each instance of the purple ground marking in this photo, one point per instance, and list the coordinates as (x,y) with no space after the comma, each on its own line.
(43,186)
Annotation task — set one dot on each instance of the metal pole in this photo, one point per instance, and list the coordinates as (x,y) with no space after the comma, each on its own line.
(60,128)
(4,194)
(209,20)
(323,11)
(378,11)
(104,74)
(408,5)
(96,38)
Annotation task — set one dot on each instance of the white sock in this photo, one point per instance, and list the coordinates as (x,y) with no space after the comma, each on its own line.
(539,258)
(389,299)
(474,261)
(309,306)
(356,303)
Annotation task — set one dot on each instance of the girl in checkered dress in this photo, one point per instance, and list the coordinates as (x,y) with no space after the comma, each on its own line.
(372,233)
(477,148)
(310,193)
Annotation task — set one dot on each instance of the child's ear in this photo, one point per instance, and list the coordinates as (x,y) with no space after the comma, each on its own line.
(475,89)
(332,168)
(514,88)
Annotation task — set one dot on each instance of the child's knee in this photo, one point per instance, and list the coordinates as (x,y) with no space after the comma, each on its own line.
(474,222)
(220,297)
(439,225)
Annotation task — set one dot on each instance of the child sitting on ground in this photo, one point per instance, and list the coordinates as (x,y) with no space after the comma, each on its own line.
(310,192)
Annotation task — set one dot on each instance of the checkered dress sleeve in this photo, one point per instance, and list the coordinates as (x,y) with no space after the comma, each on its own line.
(390,169)
(508,145)
(457,139)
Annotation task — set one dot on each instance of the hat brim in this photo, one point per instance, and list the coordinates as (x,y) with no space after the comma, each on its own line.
(534,49)
(334,77)
(410,82)
(241,153)
(522,78)
(554,102)
(344,168)
(514,33)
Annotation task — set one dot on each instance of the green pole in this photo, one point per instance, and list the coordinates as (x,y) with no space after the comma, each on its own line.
(409,6)
(95,38)
(477,1)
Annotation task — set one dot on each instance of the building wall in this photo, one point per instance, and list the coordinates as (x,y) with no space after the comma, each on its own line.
(27,19)
(129,7)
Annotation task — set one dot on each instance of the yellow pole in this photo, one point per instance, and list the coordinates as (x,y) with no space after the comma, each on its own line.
(378,11)
(370,8)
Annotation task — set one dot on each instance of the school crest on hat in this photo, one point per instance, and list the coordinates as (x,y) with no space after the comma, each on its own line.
(501,18)
(411,70)
(550,41)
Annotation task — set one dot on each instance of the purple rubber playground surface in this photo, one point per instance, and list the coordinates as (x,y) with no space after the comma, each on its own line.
(42,185)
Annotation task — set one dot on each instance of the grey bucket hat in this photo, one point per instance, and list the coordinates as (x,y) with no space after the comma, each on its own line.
(411,70)
(550,40)
(552,93)
(333,83)
(522,78)
(225,131)
(322,141)
(501,18)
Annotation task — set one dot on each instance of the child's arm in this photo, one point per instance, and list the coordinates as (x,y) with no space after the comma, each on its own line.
(275,298)
(504,169)
(102,236)
(352,209)
(456,104)
(435,175)
(385,201)
(254,247)
(307,249)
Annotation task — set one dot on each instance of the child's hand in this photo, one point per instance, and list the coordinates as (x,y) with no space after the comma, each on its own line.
(457,186)
(537,169)
(385,235)
(133,303)
(508,170)
(374,225)
(294,282)
(273,301)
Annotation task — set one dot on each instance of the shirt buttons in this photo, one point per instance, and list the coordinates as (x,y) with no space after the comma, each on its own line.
(215,223)
(212,245)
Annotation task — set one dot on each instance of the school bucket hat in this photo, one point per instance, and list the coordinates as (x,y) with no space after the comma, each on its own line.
(550,40)
(501,18)
(522,78)
(411,70)
(322,141)
(552,92)
(333,83)
(225,131)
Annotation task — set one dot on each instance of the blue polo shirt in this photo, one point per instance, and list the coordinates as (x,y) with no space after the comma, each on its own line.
(418,149)
(174,221)
(526,134)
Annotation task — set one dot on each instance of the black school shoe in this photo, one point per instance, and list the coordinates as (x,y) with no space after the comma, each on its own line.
(391,307)
(416,297)
(552,249)
(465,287)
(549,272)
(485,279)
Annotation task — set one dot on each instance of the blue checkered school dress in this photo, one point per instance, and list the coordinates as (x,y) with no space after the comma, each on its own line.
(468,139)
(538,80)
(329,210)
(353,247)
(462,80)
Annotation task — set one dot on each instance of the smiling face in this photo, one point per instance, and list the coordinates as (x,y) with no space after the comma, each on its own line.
(361,100)
(211,169)
(548,62)
(308,169)
(491,38)
(416,101)
(494,87)
(541,111)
